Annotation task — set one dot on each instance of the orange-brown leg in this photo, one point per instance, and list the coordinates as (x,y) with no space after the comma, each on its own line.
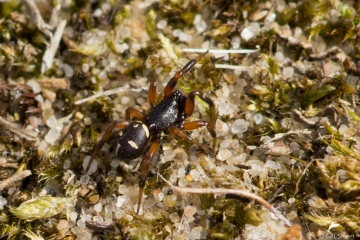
(120,124)
(152,90)
(130,111)
(172,83)
(189,109)
(198,124)
(182,134)
(153,150)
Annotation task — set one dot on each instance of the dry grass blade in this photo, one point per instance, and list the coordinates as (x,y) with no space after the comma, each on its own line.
(230,191)
(14,178)
(24,133)
(107,93)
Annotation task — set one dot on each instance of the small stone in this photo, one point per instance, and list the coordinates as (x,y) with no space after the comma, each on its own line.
(258,118)
(251,147)
(291,200)
(221,128)
(195,174)
(81,224)
(52,136)
(161,24)
(52,122)
(182,182)
(84,179)
(68,70)
(199,23)
(42,148)
(272,164)
(121,47)
(174,217)
(170,200)
(329,149)
(181,172)
(63,224)
(123,189)
(125,100)
(94,198)
(173,178)
(115,163)
(293,232)
(247,33)
(3,202)
(189,178)
(73,216)
(223,154)
(288,72)
(189,211)
(224,109)
(291,215)
(240,126)
(120,201)
(225,143)
(98,13)
(67,164)
(93,167)
(169,155)
(195,233)
(87,121)
(98,219)
(342,129)
(98,207)
(34,85)
(85,67)
(235,42)
(119,213)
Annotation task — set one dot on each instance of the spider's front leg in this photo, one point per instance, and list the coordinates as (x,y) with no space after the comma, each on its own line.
(152,89)
(119,124)
(172,83)
(151,153)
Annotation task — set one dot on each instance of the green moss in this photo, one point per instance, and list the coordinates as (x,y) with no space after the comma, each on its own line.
(9,7)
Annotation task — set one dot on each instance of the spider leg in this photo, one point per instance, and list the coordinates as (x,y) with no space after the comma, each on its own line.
(153,150)
(172,83)
(189,109)
(130,111)
(179,132)
(152,90)
(119,124)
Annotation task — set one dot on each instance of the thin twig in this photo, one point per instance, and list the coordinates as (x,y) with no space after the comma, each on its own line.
(230,191)
(54,44)
(36,17)
(107,93)
(14,178)
(24,133)
(199,50)
(233,67)
(302,175)
(5,164)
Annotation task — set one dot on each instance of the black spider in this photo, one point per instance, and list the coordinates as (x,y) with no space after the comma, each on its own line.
(168,117)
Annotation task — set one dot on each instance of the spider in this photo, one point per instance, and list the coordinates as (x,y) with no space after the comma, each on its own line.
(168,116)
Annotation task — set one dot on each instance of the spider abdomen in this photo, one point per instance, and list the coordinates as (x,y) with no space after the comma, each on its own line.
(132,142)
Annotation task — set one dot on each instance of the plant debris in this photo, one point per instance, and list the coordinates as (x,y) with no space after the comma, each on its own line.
(283,75)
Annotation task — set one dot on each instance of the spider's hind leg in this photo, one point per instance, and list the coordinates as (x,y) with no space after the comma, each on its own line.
(119,124)
(145,165)
(179,132)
